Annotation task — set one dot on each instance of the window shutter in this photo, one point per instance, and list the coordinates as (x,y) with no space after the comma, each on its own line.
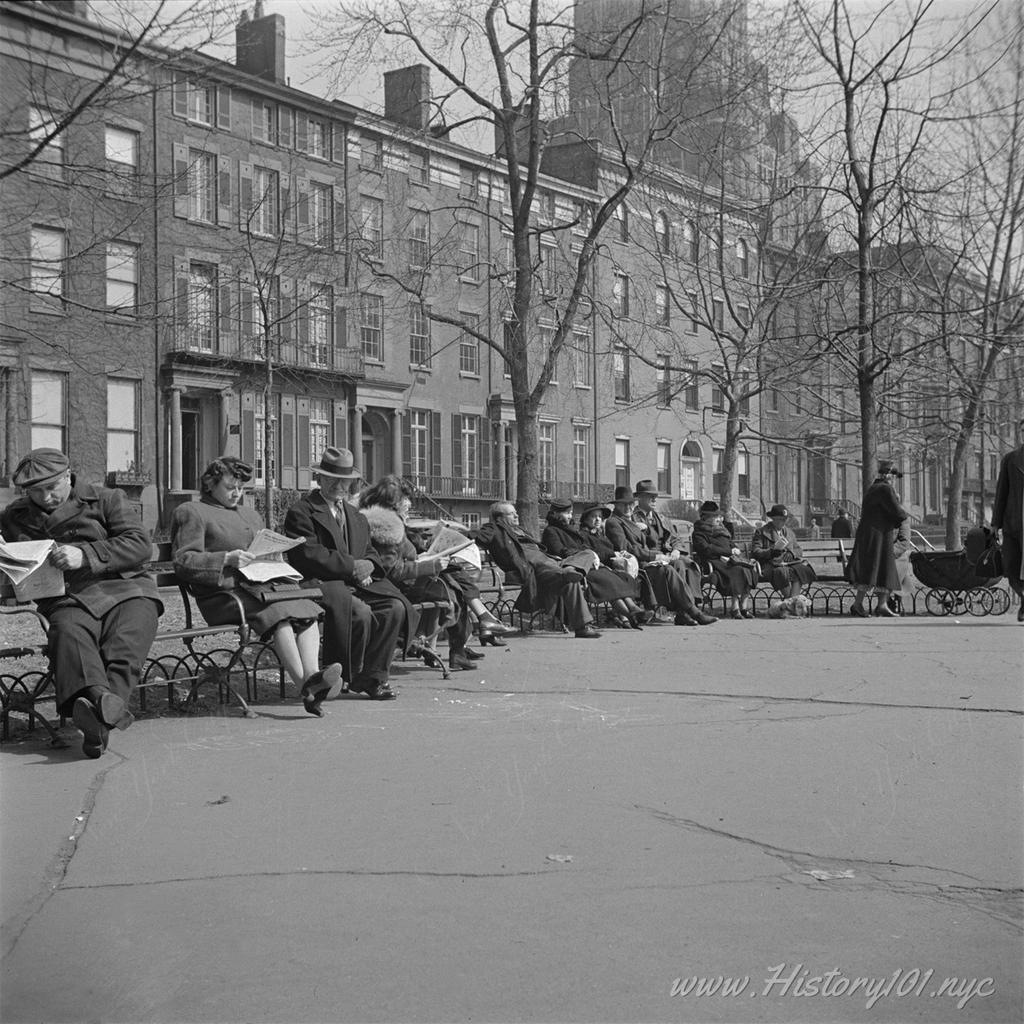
(300,132)
(181,302)
(255,125)
(338,143)
(338,227)
(302,322)
(302,207)
(457,482)
(340,326)
(244,195)
(224,107)
(287,441)
(484,429)
(340,428)
(227,341)
(287,209)
(406,445)
(303,476)
(248,428)
(246,297)
(286,315)
(224,191)
(181,183)
(435,446)
(285,127)
(180,91)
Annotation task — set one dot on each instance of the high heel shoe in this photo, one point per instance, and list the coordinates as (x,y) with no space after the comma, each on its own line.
(316,688)
(636,621)
(486,637)
(494,625)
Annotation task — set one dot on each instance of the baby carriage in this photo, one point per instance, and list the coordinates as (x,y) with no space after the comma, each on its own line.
(954,586)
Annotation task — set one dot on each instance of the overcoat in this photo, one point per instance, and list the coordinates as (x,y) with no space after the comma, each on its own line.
(202,532)
(712,547)
(561,540)
(780,567)
(1008,512)
(873,560)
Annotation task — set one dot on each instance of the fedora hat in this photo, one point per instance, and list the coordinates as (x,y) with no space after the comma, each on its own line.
(337,462)
(39,466)
(623,494)
(645,487)
(778,512)
(560,505)
(709,507)
(886,467)
(595,507)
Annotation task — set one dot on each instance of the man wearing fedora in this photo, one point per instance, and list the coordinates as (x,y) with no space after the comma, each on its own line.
(643,533)
(102,627)
(364,616)
(873,559)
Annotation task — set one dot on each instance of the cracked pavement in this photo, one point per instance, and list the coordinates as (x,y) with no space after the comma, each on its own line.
(564,834)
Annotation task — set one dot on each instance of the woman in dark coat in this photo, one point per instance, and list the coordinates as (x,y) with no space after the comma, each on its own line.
(209,540)
(715,550)
(775,548)
(562,540)
(873,560)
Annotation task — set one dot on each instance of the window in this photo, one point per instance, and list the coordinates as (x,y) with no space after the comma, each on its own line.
(692,241)
(320,309)
(770,470)
(265,198)
(773,400)
(319,424)
(581,361)
(584,216)
(663,379)
(321,213)
(717,396)
(419,446)
(264,122)
(743,316)
(469,178)
(419,167)
(580,460)
(716,473)
(718,313)
(469,251)
(121,149)
(419,239)
(122,424)
(419,335)
(49,252)
(123,277)
(318,138)
(663,463)
(201,323)
(202,186)
(662,305)
(546,207)
(620,373)
(693,324)
(199,103)
(469,347)
(50,159)
(622,219)
(371,151)
(264,463)
(548,269)
(371,219)
(745,397)
(620,295)
(742,258)
(49,410)
(621,462)
(662,236)
(546,456)
(371,326)
(469,466)
(743,473)
(691,386)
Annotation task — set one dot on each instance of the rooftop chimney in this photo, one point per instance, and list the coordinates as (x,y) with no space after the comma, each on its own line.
(259,44)
(407,96)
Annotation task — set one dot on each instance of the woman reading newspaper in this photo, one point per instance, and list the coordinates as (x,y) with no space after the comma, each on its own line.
(212,541)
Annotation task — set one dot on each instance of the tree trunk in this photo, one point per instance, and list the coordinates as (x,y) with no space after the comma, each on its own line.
(730,454)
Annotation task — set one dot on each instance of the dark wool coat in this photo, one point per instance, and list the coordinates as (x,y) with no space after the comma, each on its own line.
(1008,507)
(561,540)
(842,529)
(202,532)
(327,554)
(780,568)
(606,551)
(712,547)
(873,560)
(107,530)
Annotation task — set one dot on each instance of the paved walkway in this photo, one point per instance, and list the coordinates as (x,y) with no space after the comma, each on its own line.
(585,831)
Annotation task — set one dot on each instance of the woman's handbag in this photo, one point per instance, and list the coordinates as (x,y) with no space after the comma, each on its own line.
(279,590)
(989,565)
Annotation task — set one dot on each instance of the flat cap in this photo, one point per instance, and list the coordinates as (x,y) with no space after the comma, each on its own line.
(40,465)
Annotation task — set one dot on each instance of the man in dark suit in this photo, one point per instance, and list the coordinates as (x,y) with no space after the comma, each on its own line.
(657,548)
(102,626)
(363,616)
(1008,516)
(842,528)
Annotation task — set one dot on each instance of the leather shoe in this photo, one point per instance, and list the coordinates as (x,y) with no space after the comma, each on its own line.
(1020,613)
(748,613)
(375,690)
(587,633)
(112,711)
(858,611)
(316,688)
(685,619)
(94,732)
(473,655)
(495,626)
(703,619)
(460,662)
(488,638)
(883,611)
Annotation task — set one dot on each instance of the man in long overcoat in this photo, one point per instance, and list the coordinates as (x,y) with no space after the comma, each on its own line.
(103,625)
(1008,516)
(364,614)
(873,560)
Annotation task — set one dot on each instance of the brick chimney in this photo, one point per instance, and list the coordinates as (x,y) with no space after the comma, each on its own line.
(259,44)
(407,96)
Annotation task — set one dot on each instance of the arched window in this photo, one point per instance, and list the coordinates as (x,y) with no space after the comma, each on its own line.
(742,258)
(690,237)
(662,237)
(691,474)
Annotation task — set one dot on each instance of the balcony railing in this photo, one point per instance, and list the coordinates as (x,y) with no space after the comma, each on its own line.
(571,491)
(252,349)
(477,488)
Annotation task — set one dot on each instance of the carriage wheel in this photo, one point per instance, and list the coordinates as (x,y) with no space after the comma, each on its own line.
(978,601)
(1000,601)
(939,602)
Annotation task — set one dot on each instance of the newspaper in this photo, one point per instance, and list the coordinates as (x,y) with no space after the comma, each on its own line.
(268,542)
(452,544)
(26,563)
(269,546)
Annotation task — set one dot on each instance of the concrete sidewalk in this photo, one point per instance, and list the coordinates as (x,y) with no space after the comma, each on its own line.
(578,831)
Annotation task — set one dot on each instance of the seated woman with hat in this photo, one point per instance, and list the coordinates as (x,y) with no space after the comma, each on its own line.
(715,550)
(562,540)
(775,548)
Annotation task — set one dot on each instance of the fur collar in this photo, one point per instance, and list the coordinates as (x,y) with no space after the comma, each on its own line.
(386,526)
